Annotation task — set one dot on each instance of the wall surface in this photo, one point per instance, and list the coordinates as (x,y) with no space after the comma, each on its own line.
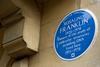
(31,26)
(4,60)
(53,13)
(94,52)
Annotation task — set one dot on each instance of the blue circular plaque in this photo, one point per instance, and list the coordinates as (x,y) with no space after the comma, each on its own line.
(75,34)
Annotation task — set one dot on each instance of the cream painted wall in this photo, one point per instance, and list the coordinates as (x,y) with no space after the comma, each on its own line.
(21,63)
(32,22)
(53,13)
(31,26)
(94,52)
(4,60)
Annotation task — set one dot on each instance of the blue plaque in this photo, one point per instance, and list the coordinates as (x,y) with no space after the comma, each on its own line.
(75,34)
